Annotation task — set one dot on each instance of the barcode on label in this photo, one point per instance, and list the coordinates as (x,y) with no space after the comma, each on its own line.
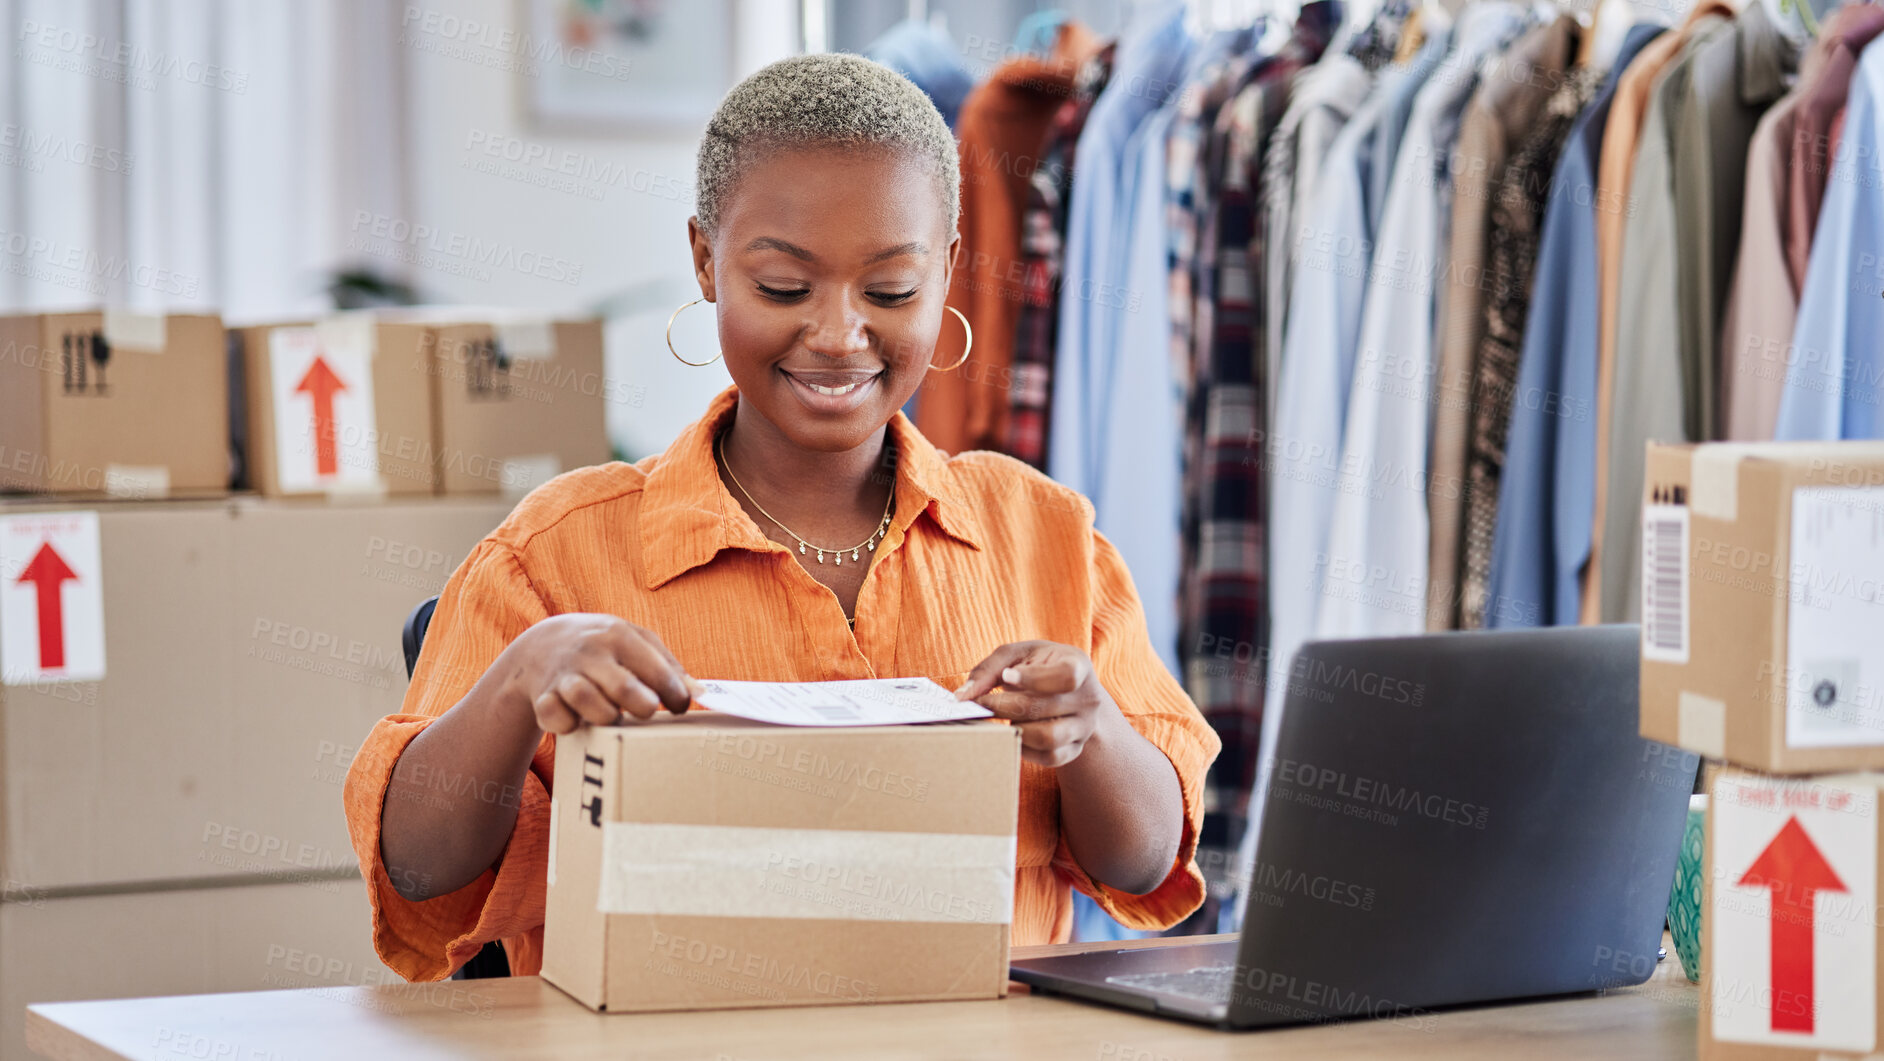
(831,712)
(1665,583)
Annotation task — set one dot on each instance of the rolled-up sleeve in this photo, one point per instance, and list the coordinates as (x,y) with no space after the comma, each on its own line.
(488,601)
(1157,707)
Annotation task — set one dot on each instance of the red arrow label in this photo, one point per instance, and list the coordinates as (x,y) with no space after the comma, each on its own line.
(321,385)
(48,573)
(1796,872)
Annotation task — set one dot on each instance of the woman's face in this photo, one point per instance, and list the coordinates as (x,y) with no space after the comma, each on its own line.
(829,271)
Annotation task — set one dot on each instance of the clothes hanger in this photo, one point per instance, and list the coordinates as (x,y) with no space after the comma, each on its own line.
(1039,31)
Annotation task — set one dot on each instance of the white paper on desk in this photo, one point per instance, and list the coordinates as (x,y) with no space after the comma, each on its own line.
(864,702)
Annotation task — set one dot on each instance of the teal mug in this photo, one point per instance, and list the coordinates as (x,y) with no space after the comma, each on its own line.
(1684,902)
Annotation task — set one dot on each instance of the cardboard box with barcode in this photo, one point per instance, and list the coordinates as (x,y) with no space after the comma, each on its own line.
(708,862)
(1789,954)
(113,403)
(516,399)
(336,407)
(1763,603)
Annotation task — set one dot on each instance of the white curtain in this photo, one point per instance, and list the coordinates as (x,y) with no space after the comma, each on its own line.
(201,154)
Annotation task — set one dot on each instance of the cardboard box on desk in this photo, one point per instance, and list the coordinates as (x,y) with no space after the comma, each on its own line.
(708,862)
(113,404)
(1763,603)
(1789,957)
(339,406)
(517,402)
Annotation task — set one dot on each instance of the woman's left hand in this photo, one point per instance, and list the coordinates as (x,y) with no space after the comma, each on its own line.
(1049,690)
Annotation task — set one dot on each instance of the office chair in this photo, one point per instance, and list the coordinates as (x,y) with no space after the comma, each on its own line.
(489,963)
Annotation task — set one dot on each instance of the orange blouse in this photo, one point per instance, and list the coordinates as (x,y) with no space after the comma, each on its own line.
(982,551)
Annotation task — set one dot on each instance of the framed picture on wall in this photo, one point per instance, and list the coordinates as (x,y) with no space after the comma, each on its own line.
(625,65)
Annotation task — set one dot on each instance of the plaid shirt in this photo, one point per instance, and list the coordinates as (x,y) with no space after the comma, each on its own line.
(1225,621)
(1043,242)
(1189,191)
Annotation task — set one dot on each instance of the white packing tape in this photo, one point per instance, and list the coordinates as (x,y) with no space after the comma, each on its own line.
(826,874)
(526,338)
(1715,492)
(137,480)
(1701,724)
(143,332)
(349,331)
(1715,481)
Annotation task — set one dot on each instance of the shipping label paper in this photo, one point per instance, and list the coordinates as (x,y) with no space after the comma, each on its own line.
(1835,621)
(1793,926)
(866,702)
(325,435)
(52,602)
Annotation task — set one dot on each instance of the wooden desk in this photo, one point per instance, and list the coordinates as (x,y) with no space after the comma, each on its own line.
(524,1017)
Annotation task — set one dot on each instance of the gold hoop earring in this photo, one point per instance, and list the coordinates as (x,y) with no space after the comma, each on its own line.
(966,331)
(670,340)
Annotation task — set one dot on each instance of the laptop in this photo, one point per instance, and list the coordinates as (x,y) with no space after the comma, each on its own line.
(1449,819)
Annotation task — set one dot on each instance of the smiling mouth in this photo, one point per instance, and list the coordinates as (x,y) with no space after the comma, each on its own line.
(832,384)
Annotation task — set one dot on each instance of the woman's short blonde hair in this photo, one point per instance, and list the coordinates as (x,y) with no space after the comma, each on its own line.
(828,98)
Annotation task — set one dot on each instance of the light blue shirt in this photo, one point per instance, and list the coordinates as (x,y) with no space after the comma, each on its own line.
(1402,84)
(927,56)
(1150,61)
(1375,555)
(1331,246)
(1123,407)
(1547,496)
(1835,381)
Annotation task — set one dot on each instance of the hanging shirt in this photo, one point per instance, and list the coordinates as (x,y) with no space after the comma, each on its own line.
(1138,478)
(1224,588)
(1303,448)
(1402,86)
(1731,83)
(1542,538)
(1676,261)
(1835,383)
(1043,246)
(1613,206)
(1324,97)
(1645,397)
(1150,63)
(1190,189)
(1376,550)
(928,57)
(1786,166)
(1846,33)
(1763,301)
(1002,125)
(1506,107)
(1516,220)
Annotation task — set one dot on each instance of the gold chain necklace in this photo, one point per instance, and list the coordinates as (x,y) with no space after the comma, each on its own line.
(868,544)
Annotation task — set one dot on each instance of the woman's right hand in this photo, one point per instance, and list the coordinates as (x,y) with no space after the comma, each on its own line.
(587,667)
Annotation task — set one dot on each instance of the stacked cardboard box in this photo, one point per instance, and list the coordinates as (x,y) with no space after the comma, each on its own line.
(170,778)
(422,401)
(113,404)
(1763,647)
(247,937)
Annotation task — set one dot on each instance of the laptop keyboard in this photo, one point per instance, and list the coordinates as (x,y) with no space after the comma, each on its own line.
(1208,983)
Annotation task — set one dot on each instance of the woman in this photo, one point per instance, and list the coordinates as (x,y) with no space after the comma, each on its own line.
(802,530)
